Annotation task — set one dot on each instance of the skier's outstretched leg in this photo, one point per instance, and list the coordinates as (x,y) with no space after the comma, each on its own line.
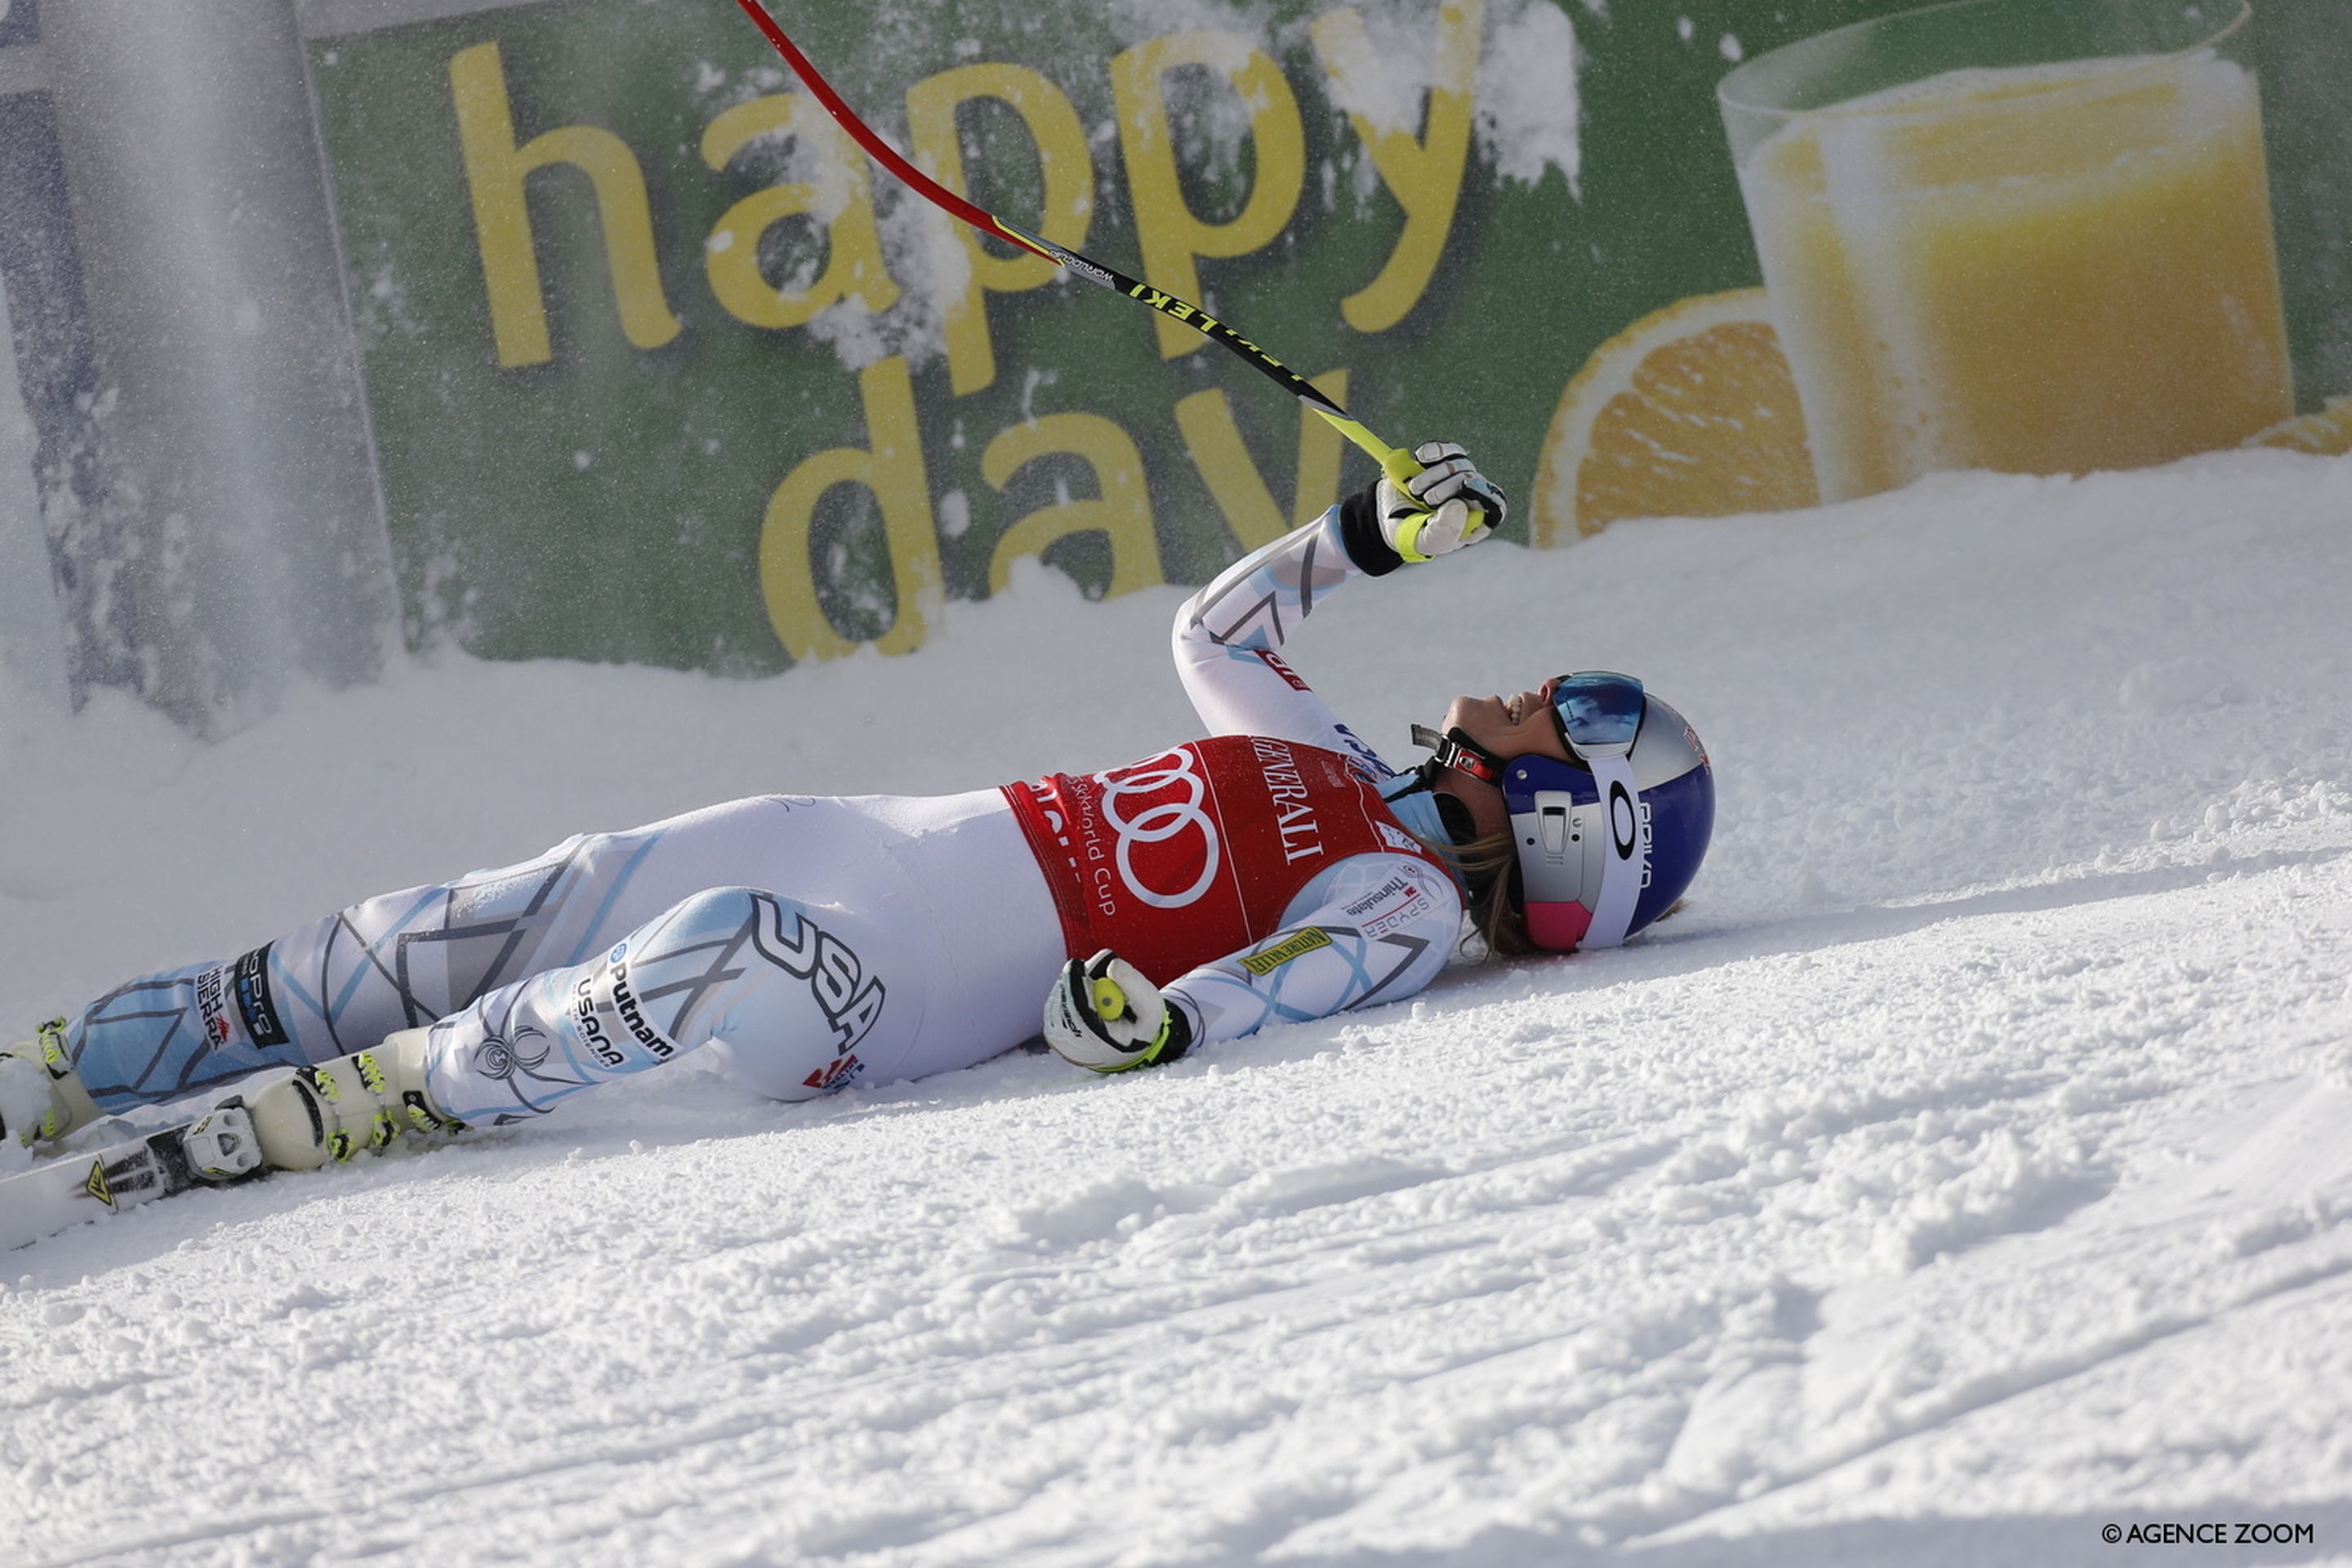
(800,999)
(405,960)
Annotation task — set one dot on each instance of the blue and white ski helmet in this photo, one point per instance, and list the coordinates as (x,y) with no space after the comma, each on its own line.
(1608,841)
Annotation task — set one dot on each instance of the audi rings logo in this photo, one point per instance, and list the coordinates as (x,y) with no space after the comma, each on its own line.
(1162,821)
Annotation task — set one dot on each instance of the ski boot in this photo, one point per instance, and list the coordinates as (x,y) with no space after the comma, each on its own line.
(332,1110)
(41,1096)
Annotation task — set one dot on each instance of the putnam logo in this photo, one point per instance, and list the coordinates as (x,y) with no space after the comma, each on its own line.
(1267,960)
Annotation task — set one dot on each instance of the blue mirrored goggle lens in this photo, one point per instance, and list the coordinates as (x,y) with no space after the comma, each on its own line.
(1599,711)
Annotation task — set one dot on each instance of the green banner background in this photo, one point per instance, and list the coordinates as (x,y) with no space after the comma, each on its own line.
(610,502)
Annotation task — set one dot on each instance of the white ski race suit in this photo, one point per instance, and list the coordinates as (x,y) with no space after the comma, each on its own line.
(1256,876)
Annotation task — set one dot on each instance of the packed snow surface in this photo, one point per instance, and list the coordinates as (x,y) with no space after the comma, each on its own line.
(1968,1167)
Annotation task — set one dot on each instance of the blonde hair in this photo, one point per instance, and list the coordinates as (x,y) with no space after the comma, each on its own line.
(1490,867)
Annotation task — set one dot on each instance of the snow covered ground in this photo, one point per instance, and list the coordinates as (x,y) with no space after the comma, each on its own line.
(1968,1168)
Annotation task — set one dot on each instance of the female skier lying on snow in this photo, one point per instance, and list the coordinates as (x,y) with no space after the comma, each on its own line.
(1278,870)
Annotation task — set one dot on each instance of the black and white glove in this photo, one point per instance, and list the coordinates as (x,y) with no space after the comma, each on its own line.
(1105,1015)
(1446,506)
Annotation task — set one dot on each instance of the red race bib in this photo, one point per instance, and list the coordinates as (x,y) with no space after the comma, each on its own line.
(1186,856)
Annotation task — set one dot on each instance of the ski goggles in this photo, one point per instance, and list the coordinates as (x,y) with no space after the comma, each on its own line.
(1582,830)
(1599,712)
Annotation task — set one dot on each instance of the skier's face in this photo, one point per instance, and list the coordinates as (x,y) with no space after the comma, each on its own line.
(1520,726)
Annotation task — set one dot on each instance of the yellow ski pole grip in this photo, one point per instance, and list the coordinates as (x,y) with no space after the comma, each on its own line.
(1109,999)
(1400,466)
(1408,539)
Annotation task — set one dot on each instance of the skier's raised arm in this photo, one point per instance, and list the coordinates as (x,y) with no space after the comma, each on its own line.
(1380,922)
(1228,636)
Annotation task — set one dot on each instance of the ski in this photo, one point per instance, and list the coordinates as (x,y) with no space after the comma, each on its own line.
(212,1150)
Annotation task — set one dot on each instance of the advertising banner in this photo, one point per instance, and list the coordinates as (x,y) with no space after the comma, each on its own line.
(61,629)
(663,370)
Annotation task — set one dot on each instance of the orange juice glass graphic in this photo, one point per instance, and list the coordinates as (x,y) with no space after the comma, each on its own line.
(2032,235)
